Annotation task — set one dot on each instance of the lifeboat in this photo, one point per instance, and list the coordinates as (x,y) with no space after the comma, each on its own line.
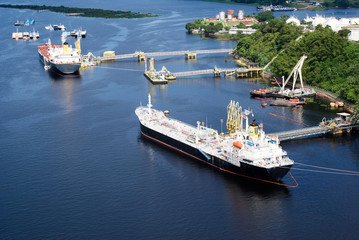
(237,144)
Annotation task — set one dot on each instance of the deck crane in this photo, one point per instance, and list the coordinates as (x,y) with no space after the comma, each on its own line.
(234,120)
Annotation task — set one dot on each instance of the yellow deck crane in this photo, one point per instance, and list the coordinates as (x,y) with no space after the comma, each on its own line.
(234,119)
(89,60)
(168,74)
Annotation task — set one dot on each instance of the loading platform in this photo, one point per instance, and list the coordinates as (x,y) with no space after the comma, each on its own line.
(142,55)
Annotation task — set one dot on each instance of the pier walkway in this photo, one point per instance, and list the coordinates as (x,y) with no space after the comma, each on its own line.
(240,72)
(140,54)
(205,71)
(314,131)
(301,133)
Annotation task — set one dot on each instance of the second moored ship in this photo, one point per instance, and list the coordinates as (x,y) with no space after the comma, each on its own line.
(62,58)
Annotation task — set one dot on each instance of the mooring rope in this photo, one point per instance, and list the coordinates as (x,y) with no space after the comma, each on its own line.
(331,169)
(328,172)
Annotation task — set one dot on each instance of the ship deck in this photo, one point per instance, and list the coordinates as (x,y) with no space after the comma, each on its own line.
(44,49)
(213,144)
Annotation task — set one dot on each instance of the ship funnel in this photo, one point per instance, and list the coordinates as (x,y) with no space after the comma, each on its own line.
(65,47)
(253,129)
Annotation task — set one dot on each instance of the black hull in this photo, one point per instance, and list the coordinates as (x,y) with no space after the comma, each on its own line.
(247,170)
(262,94)
(61,68)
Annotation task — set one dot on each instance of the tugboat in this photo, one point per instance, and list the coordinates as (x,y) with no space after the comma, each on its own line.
(246,150)
(263,93)
(294,102)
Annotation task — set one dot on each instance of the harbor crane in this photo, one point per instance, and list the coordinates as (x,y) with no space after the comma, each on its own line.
(297,71)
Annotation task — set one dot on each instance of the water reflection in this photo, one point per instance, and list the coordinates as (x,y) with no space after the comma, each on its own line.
(67,85)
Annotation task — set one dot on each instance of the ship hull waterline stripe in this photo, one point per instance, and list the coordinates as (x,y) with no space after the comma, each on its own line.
(190,155)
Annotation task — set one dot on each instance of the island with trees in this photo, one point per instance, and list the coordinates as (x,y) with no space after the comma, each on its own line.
(83,12)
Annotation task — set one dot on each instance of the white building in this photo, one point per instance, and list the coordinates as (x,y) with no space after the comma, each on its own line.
(222,16)
(337,25)
(319,20)
(354,21)
(248,31)
(308,19)
(240,14)
(293,20)
(354,34)
(334,24)
(344,21)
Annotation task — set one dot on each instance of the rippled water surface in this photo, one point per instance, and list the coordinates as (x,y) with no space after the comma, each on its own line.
(74,166)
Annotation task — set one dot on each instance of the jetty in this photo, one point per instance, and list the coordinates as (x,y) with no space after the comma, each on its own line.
(141,56)
(341,124)
(238,72)
(217,72)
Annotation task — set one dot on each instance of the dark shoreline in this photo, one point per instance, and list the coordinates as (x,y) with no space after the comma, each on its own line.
(85,12)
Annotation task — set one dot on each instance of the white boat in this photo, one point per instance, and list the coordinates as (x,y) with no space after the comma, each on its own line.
(16,35)
(34,35)
(78,33)
(49,27)
(61,27)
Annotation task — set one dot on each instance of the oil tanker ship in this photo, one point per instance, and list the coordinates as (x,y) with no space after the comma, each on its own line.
(245,151)
(62,58)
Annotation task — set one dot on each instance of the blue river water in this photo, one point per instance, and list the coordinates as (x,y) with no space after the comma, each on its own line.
(73,164)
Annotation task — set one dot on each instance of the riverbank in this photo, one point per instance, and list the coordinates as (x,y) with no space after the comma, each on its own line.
(332,98)
(320,93)
(323,94)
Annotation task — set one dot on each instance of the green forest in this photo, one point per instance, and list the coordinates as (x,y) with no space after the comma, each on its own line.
(209,27)
(332,63)
(341,3)
(85,12)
